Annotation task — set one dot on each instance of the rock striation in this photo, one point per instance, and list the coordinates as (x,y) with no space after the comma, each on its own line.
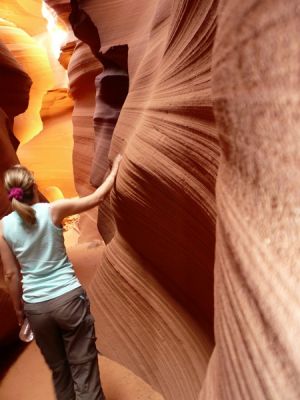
(153,289)
(185,90)
(26,15)
(256,92)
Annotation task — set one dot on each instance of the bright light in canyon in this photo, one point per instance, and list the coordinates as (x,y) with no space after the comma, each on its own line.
(57,34)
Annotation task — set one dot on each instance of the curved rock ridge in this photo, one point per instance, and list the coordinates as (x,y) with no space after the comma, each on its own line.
(45,155)
(26,15)
(153,290)
(256,69)
(33,59)
(149,331)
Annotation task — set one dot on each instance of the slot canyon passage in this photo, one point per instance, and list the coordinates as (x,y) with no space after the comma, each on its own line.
(192,263)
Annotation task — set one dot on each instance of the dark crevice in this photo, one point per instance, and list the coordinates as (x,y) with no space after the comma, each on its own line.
(112,86)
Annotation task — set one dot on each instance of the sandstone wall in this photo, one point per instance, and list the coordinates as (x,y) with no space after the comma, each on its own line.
(256,73)
(152,293)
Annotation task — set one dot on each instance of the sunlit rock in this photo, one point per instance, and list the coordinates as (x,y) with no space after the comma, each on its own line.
(26,15)
(49,154)
(34,61)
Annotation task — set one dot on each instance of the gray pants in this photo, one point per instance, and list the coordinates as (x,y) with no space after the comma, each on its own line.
(64,331)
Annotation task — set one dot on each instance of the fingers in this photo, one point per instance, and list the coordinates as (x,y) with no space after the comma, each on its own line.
(117,160)
(116,163)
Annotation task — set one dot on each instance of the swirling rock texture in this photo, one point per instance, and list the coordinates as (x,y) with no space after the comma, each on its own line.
(26,15)
(152,292)
(256,71)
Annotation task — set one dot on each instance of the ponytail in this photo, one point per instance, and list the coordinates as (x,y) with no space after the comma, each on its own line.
(26,212)
(19,183)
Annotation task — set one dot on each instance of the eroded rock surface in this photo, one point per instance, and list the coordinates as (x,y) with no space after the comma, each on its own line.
(256,90)
(153,289)
(33,60)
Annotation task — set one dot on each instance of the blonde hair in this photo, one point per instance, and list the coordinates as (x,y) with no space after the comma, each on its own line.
(19,177)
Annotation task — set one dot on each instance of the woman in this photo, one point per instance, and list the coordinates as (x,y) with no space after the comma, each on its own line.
(31,242)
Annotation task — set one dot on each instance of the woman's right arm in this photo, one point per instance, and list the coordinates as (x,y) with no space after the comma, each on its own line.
(63,208)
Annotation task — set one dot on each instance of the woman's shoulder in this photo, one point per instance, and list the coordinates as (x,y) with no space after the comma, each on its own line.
(9,216)
(41,206)
(8,223)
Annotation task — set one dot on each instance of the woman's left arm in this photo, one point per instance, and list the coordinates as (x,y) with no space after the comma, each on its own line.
(11,273)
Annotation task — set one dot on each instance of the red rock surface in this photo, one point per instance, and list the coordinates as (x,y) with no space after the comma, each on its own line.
(153,291)
(152,286)
(256,90)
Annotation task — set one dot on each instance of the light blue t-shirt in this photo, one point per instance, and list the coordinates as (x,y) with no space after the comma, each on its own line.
(46,270)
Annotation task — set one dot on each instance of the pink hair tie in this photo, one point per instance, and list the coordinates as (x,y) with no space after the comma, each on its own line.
(16,193)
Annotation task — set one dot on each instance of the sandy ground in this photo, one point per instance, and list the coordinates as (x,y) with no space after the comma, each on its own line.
(29,379)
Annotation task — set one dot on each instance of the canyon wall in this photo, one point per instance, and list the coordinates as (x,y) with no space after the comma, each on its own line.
(195,93)
(152,293)
(255,84)
(160,260)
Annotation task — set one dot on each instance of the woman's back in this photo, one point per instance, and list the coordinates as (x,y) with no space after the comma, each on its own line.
(39,248)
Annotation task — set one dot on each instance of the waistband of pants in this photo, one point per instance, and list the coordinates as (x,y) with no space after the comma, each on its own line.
(50,305)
